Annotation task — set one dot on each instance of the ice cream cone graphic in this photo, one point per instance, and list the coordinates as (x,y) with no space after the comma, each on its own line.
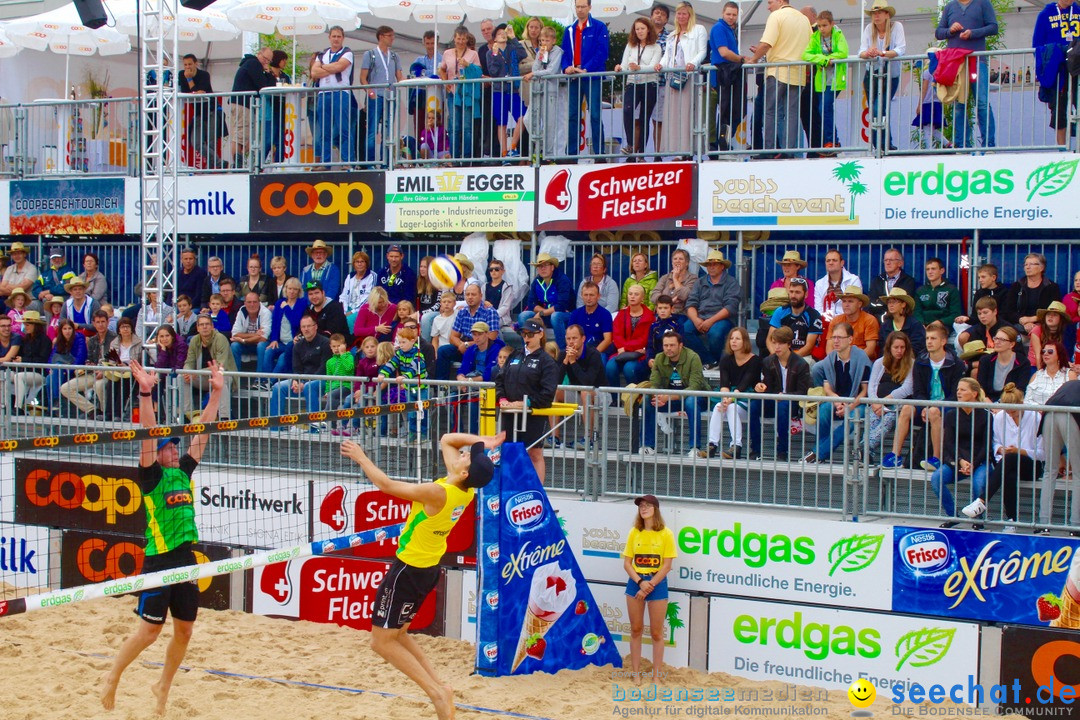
(1070,598)
(551,592)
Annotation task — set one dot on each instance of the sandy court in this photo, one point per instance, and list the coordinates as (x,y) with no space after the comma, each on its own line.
(50,654)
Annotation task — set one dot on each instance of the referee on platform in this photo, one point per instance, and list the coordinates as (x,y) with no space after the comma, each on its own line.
(534,373)
(169,497)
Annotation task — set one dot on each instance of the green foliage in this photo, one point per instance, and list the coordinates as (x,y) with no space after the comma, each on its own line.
(618,44)
(521,21)
(277,41)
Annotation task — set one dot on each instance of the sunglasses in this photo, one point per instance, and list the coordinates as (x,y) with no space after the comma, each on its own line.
(1048,351)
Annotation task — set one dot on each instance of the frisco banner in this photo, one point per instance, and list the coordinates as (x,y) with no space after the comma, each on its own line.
(992,577)
(214,204)
(654,196)
(905,193)
(460,200)
(819,561)
(832,648)
(67,207)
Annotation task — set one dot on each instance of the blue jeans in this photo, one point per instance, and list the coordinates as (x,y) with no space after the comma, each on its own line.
(984,114)
(945,475)
(829,437)
(828,122)
(376,116)
(590,88)
(461,130)
(632,370)
(709,346)
(557,321)
(334,126)
(275,360)
(781,410)
(693,417)
(260,354)
(877,102)
(445,359)
(312,393)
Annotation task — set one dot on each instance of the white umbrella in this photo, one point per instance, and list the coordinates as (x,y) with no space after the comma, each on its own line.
(61,31)
(207,25)
(7,47)
(293,17)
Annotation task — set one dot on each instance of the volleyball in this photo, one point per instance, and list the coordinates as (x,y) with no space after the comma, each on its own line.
(444,272)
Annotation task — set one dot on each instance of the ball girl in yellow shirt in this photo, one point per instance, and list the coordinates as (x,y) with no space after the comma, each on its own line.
(650,548)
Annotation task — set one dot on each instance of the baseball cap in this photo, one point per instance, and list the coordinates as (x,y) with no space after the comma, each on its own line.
(481,327)
(651,499)
(55,253)
(481,469)
(532,325)
(312,285)
(162,443)
(395,248)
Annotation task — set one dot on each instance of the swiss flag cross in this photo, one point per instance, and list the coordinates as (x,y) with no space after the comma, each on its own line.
(275,582)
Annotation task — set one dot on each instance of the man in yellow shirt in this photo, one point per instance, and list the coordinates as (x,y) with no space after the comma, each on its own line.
(787,33)
(436,508)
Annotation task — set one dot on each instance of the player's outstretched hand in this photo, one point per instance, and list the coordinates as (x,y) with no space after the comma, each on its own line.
(495,440)
(146,380)
(353,451)
(217,376)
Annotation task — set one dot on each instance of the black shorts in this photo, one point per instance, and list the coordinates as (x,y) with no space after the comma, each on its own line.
(401,594)
(182,599)
(535,427)
(1059,108)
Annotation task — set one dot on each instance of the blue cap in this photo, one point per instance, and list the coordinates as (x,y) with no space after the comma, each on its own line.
(166,441)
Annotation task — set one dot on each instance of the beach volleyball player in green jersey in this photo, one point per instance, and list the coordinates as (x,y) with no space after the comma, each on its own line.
(168,494)
(436,508)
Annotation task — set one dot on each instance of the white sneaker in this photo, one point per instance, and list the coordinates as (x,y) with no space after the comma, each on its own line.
(663,423)
(1009,529)
(975,509)
(646,451)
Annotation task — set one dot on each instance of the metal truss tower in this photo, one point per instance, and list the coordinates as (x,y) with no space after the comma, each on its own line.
(159,125)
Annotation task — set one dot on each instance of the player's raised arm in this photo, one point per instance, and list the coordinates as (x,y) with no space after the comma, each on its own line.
(210,412)
(147,417)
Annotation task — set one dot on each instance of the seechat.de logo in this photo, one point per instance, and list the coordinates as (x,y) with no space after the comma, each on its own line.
(525,510)
(925,551)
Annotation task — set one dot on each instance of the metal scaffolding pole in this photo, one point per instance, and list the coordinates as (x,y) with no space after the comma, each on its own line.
(158,34)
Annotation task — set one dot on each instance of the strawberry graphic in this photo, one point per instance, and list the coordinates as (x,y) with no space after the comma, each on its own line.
(581,607)
(535,647)
(1049,607)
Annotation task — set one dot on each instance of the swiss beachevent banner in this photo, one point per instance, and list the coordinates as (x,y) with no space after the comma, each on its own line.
(210,204)
(992,577)
(904,193)
(497,199)
(833,647)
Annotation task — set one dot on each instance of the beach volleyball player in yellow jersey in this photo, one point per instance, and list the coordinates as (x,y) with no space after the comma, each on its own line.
(436,508)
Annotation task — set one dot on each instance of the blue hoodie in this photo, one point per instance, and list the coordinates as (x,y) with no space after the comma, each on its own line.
(559,293)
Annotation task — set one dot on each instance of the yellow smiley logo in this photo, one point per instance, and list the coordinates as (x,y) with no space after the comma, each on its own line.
(861,693)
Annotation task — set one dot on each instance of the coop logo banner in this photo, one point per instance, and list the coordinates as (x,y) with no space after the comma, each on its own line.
(323,202)
(819,561)
(460,200)
(78,496)
(991,577)
(992,191)
(215,204)
(832,648)
(67,207)
(605,197)
(1044,667)
(809,195)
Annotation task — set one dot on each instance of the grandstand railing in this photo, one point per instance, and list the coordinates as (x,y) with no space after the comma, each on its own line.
(600,449)
(287,124)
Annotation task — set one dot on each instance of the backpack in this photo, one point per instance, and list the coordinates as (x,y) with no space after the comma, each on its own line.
(1072,57)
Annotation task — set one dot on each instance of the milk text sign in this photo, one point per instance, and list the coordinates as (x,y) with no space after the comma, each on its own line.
(214,204)
(606,197)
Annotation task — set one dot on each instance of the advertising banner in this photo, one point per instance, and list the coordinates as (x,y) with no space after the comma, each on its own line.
(656,196)
(250,511)
(993,577)
(213,204)
(537,612)
(79,496)
(805,195)
(597,532)
(818,561)
(831,648)
(329,589)
(91,557)
(327,202)
(1040,665)
(24,556)
(497,199)
(5,207)
(90,206)
(344,508)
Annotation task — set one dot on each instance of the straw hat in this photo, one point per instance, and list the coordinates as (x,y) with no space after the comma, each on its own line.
(777,298)
(898,293)
(717,256)
(317,245)
(55,300)
(465,263)
(19,291)
(545,258)
(973,349)
(18,247)
(882,5)
(34,317)
(792,256)
(76,282)
(1055,307)
(854,292)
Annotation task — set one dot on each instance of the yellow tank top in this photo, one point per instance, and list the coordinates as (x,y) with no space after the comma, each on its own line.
(423,541)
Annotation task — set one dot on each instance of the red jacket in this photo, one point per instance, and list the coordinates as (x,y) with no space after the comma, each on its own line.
(949,63)
(627,337)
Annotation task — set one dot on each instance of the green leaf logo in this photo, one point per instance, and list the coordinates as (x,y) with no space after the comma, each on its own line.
(924,647)
(1050,179)
(138,584)
(854,553)
(79,594)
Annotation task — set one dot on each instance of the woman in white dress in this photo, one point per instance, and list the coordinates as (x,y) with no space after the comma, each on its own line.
(685,51)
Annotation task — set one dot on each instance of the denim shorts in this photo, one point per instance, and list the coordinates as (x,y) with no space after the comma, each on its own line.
(660,592)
